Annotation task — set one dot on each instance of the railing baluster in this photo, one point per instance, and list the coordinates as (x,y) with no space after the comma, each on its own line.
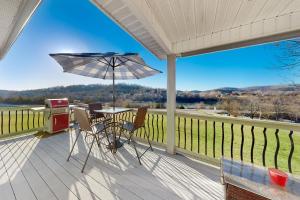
(125,117)
(157,136)
(291,152)
(162,128)
(38,119)
(191,134)
(132,120)
(253,142)
(121,116)
(277,148)
(148,126)
(198,127)
(1,122)
(22,119)
(9,121)
(27,118)
(43,119)
(184,129)
(232,140)
(214,139)
(223,138)
(140,131)
(144,129)
(242,143)
(152,127)
(265,147)
(178,131)
(33,120)
(205,137)
(16,121)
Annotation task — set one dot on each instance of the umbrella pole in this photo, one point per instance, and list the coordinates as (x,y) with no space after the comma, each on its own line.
(114,98)
(114,116)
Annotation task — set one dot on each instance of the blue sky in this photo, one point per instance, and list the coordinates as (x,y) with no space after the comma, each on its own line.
(62,26)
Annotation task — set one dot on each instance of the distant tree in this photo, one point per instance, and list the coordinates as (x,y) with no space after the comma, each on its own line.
(254,107)
(278,106)
(231,105)
(289,55)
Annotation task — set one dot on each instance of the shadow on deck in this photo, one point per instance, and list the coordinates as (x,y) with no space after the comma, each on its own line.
(33,168)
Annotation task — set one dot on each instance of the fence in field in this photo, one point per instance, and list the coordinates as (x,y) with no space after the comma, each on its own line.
(15,121)
(208,137)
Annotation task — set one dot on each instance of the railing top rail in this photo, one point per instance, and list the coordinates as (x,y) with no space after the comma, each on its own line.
(154,111)
(234,120)
(237,120)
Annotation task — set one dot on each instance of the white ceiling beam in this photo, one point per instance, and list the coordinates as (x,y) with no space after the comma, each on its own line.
(274,29)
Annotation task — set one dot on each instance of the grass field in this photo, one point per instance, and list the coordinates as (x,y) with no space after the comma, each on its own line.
(188,137)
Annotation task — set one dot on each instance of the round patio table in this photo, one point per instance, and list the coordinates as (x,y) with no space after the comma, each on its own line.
(115,144)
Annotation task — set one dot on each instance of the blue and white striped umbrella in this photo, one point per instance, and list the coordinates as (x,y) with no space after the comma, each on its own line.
(105,66)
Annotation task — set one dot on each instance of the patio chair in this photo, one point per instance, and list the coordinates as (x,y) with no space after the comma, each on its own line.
(94,116)
(131,127)
(85,125)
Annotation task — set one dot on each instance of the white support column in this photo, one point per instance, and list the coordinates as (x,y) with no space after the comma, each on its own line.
(171,103)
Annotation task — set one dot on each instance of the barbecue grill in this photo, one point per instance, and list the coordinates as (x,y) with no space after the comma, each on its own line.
(56,115)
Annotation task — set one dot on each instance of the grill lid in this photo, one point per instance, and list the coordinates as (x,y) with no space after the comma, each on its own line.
(57,103)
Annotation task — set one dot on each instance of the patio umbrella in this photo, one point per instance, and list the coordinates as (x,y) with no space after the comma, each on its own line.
(105,66)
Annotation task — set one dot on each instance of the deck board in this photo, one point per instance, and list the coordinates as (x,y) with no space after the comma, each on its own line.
(33,168)
(5,184)
(18,181)
(136,184)
(38,185)
(55,184)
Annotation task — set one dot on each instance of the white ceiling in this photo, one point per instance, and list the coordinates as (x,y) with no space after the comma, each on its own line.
(13,16)
(188,27)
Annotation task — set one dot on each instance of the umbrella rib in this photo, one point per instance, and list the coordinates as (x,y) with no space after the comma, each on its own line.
(101,61)
(107,67)
(107,62)
(106,72)
(121,62)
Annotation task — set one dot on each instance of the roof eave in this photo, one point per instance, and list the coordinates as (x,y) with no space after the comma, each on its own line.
(24,14)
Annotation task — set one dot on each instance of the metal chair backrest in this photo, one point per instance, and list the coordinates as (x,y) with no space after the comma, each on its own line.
(82,119)
(95,106)
(139,120)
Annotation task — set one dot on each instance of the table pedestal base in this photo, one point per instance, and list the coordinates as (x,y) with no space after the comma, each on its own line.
(113,146)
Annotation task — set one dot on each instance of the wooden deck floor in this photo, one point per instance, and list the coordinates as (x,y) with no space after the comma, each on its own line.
(33,168)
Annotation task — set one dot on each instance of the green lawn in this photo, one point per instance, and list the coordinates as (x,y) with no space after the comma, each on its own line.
(156,126)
